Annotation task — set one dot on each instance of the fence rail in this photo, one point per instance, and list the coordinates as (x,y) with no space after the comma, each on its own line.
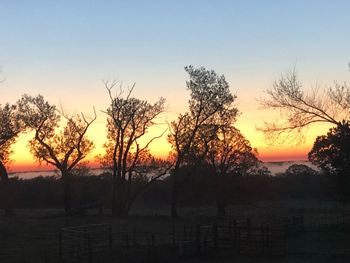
(97,243)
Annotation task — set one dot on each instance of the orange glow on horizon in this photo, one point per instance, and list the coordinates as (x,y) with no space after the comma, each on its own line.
(266,156)
(250,119)
(23,160)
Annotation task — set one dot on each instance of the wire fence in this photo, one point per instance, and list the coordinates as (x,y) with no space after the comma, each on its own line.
(203,236)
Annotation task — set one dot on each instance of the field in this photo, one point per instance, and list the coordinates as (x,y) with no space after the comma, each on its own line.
(33,235)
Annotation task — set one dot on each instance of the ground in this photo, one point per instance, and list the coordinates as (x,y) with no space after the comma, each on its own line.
(32,235)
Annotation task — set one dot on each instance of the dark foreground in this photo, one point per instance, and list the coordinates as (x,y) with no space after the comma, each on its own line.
(288,231)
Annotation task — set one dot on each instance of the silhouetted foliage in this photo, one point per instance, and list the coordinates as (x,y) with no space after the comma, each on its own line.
(229,153)
(301,109)
(300,170)
(61,146)
(199,190)
(10,127)
(128,121)
(331,152)
(192,131)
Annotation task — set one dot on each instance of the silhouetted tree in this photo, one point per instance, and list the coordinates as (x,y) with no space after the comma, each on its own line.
(210,98)
(10,127)
(331,152)
(300,170)
(229,153)
(64,147)
(128,121)
(301,109)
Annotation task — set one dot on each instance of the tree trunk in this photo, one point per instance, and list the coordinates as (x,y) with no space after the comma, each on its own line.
(174,189)
(119,202)
(174,194)
(128,205)
(114,194)
(67,192)
(7,193)
(174,213)
(221,208)
(174,199)
(221,201)
(342,186)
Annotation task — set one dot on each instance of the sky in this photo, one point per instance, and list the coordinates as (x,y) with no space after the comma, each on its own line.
(65,49)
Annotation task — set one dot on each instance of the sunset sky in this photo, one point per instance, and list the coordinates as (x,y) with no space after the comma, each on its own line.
(64,49)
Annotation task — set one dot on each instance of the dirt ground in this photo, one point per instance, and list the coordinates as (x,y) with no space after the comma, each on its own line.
(32,235)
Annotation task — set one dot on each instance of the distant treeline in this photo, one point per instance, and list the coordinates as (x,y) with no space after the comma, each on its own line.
(200,189)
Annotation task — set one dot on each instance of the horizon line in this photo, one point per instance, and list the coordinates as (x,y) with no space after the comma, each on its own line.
(92,167)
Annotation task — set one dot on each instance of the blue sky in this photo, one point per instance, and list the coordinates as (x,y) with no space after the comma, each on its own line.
(144,39)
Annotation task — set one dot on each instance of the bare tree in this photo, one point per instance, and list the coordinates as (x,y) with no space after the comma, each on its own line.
(192,131)
(10,127)
(128,121)
(301,109)
(64,147)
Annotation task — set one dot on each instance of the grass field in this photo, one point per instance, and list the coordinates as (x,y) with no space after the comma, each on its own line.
(32,235)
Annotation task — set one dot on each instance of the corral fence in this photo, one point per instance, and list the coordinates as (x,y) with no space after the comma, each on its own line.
(241,235)
(327,219)
(203,237)
(85,243)
(135,246)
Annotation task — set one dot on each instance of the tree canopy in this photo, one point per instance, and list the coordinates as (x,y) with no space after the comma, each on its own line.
(210,100)
(128,121)
(331,152)
(191,133)
(300,170)
(61,143)
(10,127)
(63,146)
(230,152)
(300,108)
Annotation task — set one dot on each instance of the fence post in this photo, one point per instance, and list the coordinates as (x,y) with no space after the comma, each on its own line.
(60,243)
(230,228)
(235,233)
(248,228)
(215,235)
(154,254)
(134,234)
(110,238)
(89,248)
(267,235)
(184,233)
(262,230)
(303,224)
(127,248)
(198,238)
(173,233)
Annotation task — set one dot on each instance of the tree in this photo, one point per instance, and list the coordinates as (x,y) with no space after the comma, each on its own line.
(193,130)
(10,127)
(300,170)
(331,152)
(63,146)
(301,109)
(128,121)
(229,153)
